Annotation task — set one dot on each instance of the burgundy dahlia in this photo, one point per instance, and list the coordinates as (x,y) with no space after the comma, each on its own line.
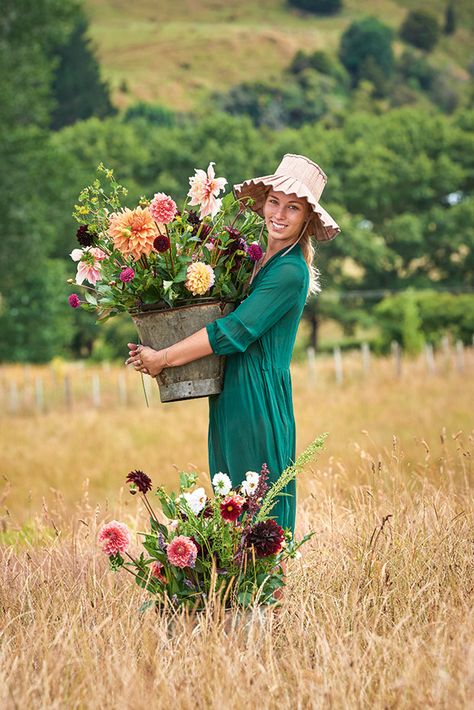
(84,236)
(74,301)
(139,481)
(162,243)
(233,232)
(193,218)
(205,229)
(266,538)
(255,251)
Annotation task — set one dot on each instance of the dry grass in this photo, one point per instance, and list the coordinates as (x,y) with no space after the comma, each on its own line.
(378,612)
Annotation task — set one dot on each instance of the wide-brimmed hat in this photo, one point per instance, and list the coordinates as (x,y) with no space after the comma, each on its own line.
(299,175)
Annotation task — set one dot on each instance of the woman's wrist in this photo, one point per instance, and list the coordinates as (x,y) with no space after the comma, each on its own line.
(164,358)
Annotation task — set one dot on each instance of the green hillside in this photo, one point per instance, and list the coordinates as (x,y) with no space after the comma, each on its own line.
(176,51)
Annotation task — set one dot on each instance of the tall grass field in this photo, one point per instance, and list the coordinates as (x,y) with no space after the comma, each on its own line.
(377,613)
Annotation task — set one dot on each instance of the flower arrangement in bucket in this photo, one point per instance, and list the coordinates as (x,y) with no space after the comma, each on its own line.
(156,254)
(226,547)
(155,259)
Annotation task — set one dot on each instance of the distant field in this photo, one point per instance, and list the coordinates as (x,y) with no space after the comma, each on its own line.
(176,52)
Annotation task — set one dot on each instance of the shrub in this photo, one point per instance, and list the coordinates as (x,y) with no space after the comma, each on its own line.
(421,29)
(365,44)
(318,7)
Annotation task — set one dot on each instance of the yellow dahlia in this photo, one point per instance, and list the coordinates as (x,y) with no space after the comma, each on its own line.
(200,278)
(133,231)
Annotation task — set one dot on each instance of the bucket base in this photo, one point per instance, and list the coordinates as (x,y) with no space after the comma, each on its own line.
(188,389)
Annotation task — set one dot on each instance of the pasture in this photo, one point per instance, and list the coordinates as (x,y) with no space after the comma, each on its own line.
(377,613)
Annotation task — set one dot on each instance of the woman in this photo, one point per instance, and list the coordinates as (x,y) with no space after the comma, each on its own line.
(251,421)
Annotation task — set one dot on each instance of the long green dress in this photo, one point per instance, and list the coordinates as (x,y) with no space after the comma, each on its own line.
(251,421)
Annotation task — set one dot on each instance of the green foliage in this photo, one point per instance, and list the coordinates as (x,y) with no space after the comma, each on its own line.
(416,70)
(421,29)
(154,114)
(412,318)
(366,49)
(318,7)
(78,89)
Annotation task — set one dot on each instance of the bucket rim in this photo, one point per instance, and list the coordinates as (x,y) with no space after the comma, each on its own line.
(159,308)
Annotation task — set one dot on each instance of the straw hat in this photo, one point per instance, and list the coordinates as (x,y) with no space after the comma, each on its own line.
(295,174)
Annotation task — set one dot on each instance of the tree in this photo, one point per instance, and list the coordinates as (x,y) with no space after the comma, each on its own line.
(319,7)
(420,28)
(78,89)
(449,19)
(365,44)
(32,300)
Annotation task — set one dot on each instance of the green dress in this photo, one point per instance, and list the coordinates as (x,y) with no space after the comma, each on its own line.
(251,421)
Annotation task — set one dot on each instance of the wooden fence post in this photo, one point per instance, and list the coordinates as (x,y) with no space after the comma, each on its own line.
(430,358)
(338,365)
(365,348)
(397,356)
(96,390)
(68,391)
(311,363)
(13,397)
(39,394)
(459,355)
(122,389)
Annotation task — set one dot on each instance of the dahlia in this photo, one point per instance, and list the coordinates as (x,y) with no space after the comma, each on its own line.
(114,537)
(255,252)
(89,266)
(222,484)
(161,243)
(163,208)
(200,278)
(204,190)
(139,481)
(231,507)
(84,236)
(74,301)
(157,572)
(133,231)
(266,538)
(127,275)
(248,488)
(182,552)
(196,499)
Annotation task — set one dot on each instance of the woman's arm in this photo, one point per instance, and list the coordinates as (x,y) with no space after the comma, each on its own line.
(152,362)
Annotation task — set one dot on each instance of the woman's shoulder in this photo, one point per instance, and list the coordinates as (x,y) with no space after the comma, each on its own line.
(289,269)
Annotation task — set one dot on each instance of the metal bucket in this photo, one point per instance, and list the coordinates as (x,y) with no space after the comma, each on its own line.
(160,328)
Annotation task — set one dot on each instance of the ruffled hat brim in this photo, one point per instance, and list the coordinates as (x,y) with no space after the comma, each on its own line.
(322,226)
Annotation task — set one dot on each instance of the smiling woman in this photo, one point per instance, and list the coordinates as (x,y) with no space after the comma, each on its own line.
(251,421)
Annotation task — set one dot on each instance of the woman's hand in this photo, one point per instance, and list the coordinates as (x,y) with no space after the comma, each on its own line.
(144,359)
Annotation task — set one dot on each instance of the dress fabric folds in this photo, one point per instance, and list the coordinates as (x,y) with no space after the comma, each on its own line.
(251,421)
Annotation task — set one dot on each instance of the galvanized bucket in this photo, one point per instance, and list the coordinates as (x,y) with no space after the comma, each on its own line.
(159,328)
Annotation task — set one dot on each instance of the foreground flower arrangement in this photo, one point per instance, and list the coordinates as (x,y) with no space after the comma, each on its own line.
(226,547)
(158,254)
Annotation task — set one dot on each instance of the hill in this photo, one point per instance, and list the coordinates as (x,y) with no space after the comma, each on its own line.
(175,52)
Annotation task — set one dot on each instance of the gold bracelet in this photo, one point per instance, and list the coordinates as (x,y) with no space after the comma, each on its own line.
(166,358)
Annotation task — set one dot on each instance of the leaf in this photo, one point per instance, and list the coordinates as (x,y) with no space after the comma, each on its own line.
(186,480)
(90,298)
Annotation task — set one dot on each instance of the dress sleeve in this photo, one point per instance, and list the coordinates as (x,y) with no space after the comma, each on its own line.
(278,291)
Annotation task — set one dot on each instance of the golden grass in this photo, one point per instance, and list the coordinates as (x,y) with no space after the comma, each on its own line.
(377,613)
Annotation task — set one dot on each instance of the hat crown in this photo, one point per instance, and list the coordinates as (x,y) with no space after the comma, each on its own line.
(304,170)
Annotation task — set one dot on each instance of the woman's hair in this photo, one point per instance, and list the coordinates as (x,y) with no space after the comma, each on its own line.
(309,251)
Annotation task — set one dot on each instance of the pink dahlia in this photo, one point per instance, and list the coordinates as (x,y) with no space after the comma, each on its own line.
(74,301)
(133,231)
(232,506)
(204,190)
(157,571)
(255,251)
(182,552)
(163,208)
(127,275)
(89,266)
(114,537)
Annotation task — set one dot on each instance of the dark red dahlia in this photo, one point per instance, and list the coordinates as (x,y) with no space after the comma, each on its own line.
(139,481)
(74,300)
(193,218)
(266,538)
(205,229)
(162,243)
(255,251)
(84,236)
(232,232)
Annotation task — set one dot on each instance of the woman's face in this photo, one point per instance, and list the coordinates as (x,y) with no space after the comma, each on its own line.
(285,216)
